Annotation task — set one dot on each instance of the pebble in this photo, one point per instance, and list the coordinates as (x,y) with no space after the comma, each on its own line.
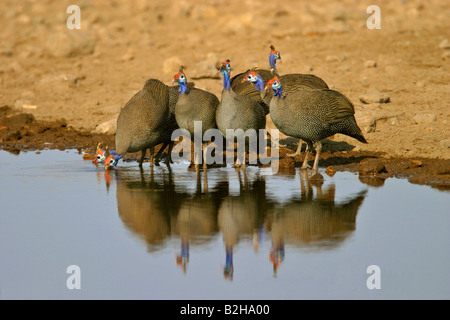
(108,127)
(374,97)
(371,167)
(331,58)
(129,55)
(330,171)
(424,118)
(415,163)
(445,44)
(370,64)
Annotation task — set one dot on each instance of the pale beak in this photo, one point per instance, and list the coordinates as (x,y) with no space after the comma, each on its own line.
(243,80)
(265,92)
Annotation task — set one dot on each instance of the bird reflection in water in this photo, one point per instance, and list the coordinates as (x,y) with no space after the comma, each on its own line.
(240,215)
(155,208)
(196,218)
(312,220)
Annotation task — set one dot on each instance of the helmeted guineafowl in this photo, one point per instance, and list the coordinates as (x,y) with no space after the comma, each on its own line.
(147,120)
(312,115)
(195,105)
(237,111)
(291,82)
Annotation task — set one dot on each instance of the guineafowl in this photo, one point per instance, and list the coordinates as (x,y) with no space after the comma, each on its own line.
(312,115)
(195,105)
(237,111)
(147,120)
(291,82)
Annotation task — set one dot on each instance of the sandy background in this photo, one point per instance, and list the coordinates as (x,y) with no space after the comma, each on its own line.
(85,76)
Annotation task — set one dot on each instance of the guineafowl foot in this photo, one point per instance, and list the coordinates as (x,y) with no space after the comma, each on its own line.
(292,154)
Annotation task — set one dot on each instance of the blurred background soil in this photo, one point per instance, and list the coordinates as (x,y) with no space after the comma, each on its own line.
(62,88)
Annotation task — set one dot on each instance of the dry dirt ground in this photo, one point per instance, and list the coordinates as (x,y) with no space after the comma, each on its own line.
(62,88)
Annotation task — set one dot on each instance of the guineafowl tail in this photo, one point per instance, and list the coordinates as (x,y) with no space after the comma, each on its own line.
(350,128)
(360,137)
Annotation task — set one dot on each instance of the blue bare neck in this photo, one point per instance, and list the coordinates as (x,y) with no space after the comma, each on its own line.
(226,80)
(277,92)
(182,87)
(272,61)
(259,84)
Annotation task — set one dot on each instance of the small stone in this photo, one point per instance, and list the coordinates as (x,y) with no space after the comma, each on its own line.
(8,52)
(424,118)
(446,55)
(374,97)
(24,19)
(393,121)
(371,167)
(127,56)
(330,171)
(415,163)
(331,58)
(29,106)
(420,84)
(370,64)
(108,127)
(445,44)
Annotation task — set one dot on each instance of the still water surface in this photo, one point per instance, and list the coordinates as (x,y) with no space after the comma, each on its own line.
(166,235)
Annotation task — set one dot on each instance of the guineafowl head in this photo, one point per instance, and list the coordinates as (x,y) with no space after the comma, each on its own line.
(181,80)
(274,55)
(111,160)
(275,84)
(255,79)
(225,70)
(99,155)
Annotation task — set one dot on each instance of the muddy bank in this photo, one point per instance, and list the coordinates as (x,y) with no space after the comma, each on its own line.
(22,132)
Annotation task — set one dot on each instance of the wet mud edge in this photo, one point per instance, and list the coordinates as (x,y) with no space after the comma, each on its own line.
(21,132)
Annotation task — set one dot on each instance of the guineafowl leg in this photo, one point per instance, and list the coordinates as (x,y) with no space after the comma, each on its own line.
(275,143)
(169,153)
(143,151)
(318,146)
(205,177)
(205,152)
(297,152)
(152,157)
(307,152)
(160,151)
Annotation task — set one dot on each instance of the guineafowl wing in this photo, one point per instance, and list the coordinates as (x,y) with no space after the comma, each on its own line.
(337,106)
(247,89)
